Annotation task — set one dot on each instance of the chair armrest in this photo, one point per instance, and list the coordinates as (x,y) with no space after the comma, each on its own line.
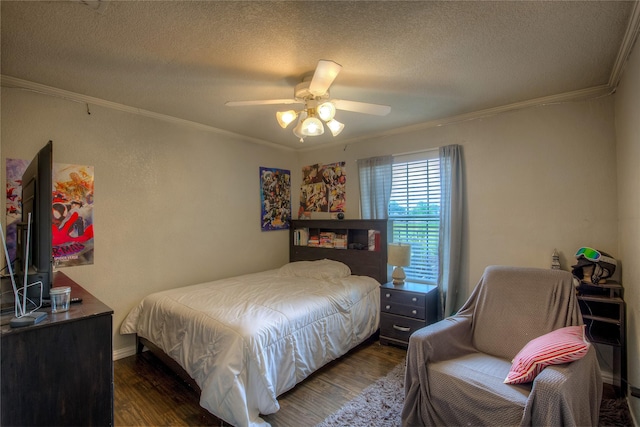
(446,339)
(571,393)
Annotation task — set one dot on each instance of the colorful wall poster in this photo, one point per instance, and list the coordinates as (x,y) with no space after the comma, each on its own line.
(72,215)
(15,169)
(275,198)
(72,211)
(323,189)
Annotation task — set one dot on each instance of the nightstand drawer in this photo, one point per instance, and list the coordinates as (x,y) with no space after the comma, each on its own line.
(398,327)
(417,312)
(401,297)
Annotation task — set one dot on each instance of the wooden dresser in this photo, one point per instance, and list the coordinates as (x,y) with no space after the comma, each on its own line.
(60,371)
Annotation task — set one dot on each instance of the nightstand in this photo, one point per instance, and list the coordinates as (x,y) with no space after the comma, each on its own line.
(405,309)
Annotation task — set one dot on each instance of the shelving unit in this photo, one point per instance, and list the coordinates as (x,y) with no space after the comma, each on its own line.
(603,312)
(356,231)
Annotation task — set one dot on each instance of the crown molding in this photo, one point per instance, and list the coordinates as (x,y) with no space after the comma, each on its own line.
(578,95)
(574,96)
(630,38)
(16,83)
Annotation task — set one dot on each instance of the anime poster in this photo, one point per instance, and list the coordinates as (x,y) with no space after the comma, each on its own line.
(323,189)
(72,215)
(275,198)
(15,169)
(72,211)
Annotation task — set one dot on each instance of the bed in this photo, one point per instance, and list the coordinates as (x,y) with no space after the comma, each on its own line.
(245,340)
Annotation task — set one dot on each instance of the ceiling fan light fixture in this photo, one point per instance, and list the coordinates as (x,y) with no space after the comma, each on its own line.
(297,130)
(326,111)
(312,126)
(319,108)
(335,127)
(285,118)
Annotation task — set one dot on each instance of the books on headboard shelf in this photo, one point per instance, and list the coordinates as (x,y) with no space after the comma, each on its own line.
(301,236)
(321,239)
(335,239)
(346,240)
(373,240)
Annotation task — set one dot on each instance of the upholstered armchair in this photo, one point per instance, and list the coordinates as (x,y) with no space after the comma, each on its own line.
(457,368)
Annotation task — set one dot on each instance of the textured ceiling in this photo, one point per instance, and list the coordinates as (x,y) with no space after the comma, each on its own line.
(428,60)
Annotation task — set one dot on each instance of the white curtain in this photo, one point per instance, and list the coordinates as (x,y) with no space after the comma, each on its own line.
(450,242)
(375,186)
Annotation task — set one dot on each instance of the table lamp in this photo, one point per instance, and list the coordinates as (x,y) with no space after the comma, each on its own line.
(399,255)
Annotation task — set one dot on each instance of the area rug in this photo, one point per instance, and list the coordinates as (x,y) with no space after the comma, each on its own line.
(380,405)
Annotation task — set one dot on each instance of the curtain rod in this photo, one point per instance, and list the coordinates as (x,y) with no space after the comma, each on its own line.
(408,153)
(416,152)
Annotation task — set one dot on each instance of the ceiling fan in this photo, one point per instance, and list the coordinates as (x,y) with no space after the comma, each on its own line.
(318,106)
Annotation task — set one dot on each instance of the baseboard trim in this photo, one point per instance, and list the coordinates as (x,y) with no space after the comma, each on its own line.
(121,353)
(607,377)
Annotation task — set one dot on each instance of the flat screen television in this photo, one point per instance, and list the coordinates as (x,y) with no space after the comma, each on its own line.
(37,198)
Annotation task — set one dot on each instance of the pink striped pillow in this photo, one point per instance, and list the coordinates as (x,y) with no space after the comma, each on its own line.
(560,346)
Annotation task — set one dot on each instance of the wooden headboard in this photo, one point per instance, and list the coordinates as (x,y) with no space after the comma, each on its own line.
(361,260)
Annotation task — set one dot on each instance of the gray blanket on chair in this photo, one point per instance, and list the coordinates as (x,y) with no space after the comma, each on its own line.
(456,367)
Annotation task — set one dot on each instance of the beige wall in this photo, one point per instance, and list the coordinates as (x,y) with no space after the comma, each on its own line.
(536,179)
(174,205)
(627,113)
(177,205)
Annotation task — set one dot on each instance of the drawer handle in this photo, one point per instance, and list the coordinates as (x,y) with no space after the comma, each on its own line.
(388,307)
(414,312)
(414,299)
(388,295)
(401,328)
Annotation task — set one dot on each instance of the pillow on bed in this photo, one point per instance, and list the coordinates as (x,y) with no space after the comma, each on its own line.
(321,270)
(560,346)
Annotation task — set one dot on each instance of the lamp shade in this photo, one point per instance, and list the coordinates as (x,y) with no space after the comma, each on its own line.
(335,127)
(297,130)
(285,118)
(399,254)
(326,111)
(312,126)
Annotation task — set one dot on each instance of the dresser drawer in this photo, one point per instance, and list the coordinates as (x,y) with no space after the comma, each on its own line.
(401,297)
(398,327)
(417,312)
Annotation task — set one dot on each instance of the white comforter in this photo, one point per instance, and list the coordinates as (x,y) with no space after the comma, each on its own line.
(248,339)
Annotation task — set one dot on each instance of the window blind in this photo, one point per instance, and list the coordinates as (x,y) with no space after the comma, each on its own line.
(414,214)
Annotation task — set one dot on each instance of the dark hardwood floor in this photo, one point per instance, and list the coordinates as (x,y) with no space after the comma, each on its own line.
(147,393)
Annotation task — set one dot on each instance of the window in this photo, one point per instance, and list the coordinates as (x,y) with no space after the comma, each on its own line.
(414,212)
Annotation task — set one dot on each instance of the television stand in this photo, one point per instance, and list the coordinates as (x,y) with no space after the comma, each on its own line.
(59,372)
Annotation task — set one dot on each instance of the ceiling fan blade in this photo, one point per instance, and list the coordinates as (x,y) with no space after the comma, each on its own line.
(361,107)
(263,102)
(326,72)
